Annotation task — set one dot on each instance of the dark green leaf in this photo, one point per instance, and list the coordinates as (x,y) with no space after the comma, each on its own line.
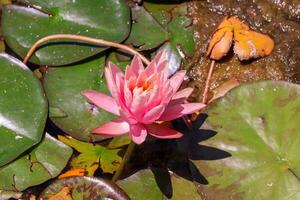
(23,109)
(63,86)
(161,12)
(114,58)
(44,162)
(22,26)
(182,44)
(146,33)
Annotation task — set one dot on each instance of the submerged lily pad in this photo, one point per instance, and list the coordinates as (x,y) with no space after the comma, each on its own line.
(86,188)
(258,124)
(23,109)
(44,162)
(63,86)
(22,26)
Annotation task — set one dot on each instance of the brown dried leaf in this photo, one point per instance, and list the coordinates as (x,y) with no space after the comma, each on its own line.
(248,44)
(64,194)
(221,40)
(224,88)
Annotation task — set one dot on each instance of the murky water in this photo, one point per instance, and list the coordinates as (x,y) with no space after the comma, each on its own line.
(278,18)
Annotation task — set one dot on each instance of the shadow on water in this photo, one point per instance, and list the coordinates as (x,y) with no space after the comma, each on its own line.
(167,158)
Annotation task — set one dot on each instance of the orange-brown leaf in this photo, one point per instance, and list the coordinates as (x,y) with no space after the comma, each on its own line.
(63,194)
(237,24)
(250,44)
(224,88)
(221,40)
(72,172)
(222,46)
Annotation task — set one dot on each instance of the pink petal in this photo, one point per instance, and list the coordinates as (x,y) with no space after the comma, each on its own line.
(141,79)
(127,95)
(153,114)
(114,71)
(139,106)
(102,101)
(114,127)
(138,133)
(176,111)
(135,67)
(157,60)
(129,118)
(180,97)
(160,57)
(154,98)
(177,79)
(183,93)
(111,72)
(167,93)
(163,132)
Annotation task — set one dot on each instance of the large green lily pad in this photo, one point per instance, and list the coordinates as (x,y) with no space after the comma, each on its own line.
(63,86)
(259,125)
(158,183)
(141,186)
(86,188)
(23,109)
(44,162)
(22,26)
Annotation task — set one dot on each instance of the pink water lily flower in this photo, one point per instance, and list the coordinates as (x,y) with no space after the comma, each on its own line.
(141,98)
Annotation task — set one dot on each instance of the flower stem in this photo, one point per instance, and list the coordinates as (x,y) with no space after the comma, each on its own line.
(206,89)
(99,42)
(126,157)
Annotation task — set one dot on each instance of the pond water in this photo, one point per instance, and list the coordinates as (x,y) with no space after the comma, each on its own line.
(277,18)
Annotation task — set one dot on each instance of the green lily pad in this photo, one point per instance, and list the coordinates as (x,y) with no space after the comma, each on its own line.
(114,58)
(63,86)
(146,32)
(86,188)
(184,189)
(144,185)
(22,26)
(44,162)
(141,186)
(182,43)
(23,109)
(182,35)
(258,124)
(161,12)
